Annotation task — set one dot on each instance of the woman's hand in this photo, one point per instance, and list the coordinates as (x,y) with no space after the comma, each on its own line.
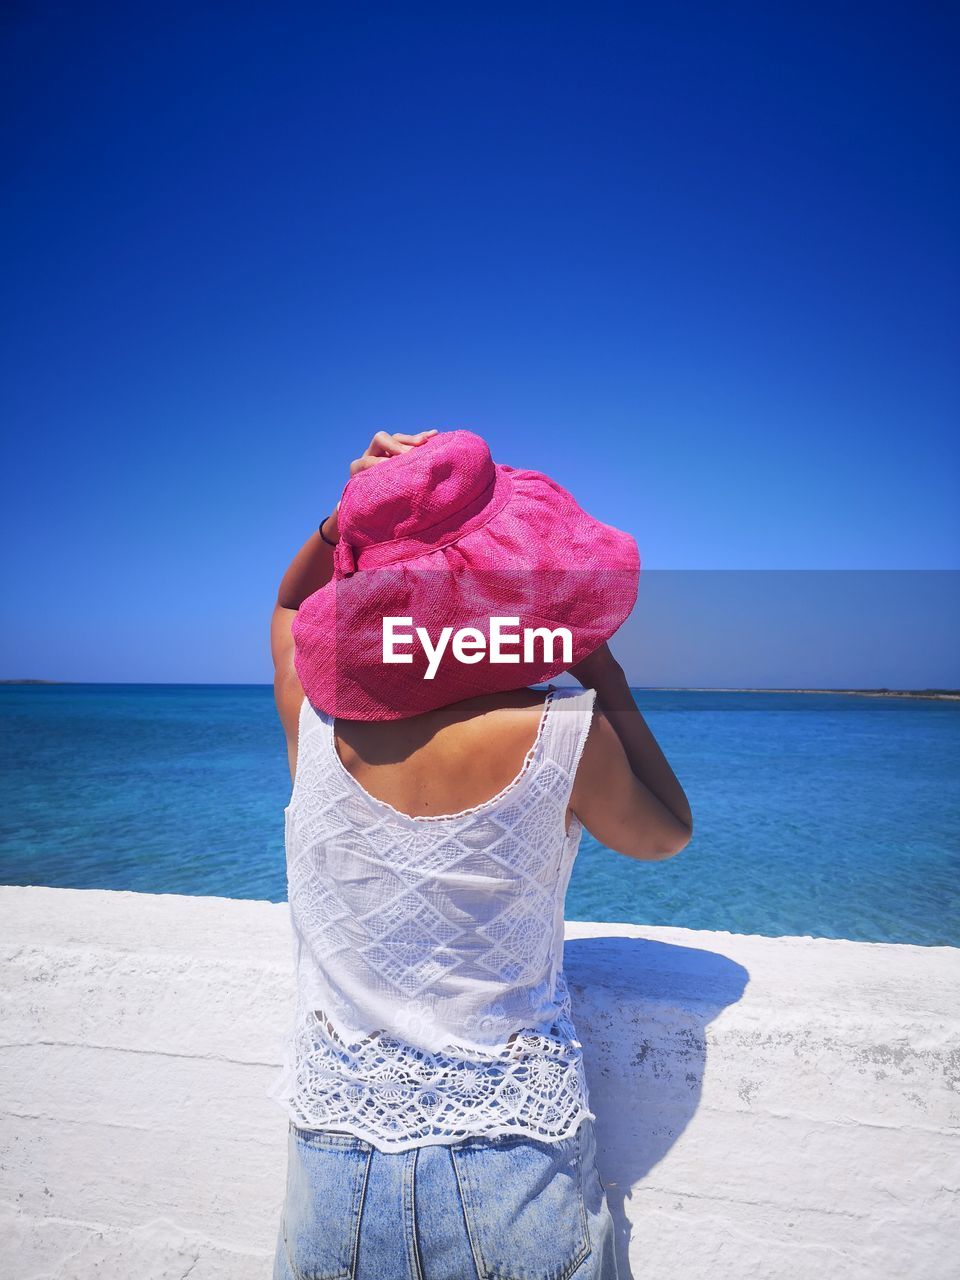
(384,445)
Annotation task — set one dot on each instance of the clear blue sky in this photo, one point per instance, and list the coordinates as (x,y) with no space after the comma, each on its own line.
(698,261)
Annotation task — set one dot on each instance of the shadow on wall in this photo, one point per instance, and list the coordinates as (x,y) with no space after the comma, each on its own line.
(642,1008)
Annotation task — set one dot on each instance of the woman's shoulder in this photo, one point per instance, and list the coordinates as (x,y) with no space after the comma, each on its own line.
(523,715)
(509,703)
(513,707)
(520,699)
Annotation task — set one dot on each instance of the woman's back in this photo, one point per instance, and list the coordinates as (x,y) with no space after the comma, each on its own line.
(429,945)
(446,760)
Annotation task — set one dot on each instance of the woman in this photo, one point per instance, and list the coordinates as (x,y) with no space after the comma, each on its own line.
(440,1126)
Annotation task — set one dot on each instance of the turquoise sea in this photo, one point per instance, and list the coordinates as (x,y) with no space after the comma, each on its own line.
(830,815)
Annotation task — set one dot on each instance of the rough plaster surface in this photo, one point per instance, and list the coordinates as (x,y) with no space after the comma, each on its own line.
(767,1107)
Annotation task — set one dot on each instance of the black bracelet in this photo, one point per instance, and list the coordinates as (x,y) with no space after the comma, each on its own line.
(322,534)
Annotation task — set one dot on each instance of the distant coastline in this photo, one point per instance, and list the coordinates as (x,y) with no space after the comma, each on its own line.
(34,681)
(946,695)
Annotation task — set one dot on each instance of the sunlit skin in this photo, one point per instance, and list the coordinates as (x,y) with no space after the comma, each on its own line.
(625,793)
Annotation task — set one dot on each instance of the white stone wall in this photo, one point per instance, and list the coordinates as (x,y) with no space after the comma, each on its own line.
(767,1108)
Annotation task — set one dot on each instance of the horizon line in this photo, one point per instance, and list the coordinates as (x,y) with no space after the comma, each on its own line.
(649,688)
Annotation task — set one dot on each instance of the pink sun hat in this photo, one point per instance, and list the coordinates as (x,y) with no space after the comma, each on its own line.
(442,537)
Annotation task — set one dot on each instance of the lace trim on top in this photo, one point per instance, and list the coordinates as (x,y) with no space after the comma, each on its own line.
(397,1096)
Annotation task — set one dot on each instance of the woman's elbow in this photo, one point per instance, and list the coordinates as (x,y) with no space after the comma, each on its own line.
(671,841)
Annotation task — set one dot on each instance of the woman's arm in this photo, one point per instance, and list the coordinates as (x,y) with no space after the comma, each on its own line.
(625,792)
(309,570)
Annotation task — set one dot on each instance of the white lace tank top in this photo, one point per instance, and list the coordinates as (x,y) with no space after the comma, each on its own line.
(431,1001)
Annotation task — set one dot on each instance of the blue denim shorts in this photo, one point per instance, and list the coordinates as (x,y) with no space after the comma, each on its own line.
(506,1208)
